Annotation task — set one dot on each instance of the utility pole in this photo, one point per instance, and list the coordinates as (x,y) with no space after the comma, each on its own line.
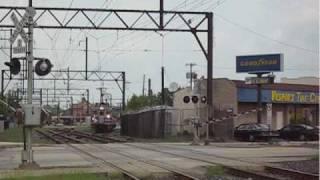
(209,56)
(86,58)
(162,86)
(58,110)
(149,87)
(88,103)
(2,83)
(123,91)
(10,47)
(71,109)
(191,72)
(68,80)
(161,14)
(259,102)
(41,97)
(143,83)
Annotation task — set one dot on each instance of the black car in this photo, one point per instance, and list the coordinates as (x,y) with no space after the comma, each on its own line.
(253,131)
(301,132)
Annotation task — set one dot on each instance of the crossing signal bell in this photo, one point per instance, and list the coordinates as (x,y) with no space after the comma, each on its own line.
(14,66)
(43,67)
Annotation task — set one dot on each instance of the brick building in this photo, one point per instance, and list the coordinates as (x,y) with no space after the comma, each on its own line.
(282,104)
(81,110)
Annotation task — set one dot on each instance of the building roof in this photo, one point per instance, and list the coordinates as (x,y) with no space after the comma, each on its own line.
(279,86)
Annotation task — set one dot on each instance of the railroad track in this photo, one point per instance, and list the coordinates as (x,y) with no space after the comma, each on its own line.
(78,137)
(269,172)
(61,138)
(177,172)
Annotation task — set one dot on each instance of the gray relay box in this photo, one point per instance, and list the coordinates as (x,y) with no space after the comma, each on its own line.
(32,114)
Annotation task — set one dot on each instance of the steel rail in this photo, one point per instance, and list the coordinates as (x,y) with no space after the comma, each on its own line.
(85,135)
(114,139)
(294,174)
(176,172)
(46,134)
(242,172)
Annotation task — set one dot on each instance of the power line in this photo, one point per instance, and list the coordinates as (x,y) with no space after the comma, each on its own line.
(265,36)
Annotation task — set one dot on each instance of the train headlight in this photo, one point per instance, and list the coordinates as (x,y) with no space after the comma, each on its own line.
(108,116)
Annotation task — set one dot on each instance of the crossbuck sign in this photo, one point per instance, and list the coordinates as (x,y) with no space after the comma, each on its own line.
(30,12)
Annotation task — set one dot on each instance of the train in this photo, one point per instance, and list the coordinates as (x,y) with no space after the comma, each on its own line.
(102,120)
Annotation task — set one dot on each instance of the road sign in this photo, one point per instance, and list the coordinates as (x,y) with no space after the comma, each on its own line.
(30,12)
(19,49)
(262,80)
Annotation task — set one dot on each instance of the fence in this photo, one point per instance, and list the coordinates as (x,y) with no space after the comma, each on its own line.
(157,122)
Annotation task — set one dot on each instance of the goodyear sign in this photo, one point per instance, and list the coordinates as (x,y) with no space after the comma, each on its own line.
(259,63)
(294,97)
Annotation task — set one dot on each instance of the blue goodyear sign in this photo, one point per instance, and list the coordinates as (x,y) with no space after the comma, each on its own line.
(259,63)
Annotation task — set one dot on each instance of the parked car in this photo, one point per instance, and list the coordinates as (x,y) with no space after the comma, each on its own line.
(301,132)
(254,131)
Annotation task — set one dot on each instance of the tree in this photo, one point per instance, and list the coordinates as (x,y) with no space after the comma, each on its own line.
(139,102)
(168,97)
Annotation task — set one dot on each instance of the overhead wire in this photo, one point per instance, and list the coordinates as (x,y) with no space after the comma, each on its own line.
(146,35)
(145,23)
(265,36)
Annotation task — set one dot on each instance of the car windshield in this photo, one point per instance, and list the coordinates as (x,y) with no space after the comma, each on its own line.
(263,126)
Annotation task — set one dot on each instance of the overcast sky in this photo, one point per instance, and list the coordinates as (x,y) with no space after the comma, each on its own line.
(241,27)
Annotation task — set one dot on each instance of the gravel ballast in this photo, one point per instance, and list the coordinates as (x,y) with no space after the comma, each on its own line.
(308,166)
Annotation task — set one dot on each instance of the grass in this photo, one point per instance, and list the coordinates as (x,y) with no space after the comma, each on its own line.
(12,135)
(16,135)
(76,176)
(215,171)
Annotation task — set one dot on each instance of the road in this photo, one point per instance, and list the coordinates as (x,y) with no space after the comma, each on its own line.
(145,159)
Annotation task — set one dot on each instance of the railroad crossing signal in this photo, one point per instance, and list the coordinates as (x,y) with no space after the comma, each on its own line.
(194,99)
(203,99)
(43,67)
(14,66)
(30,12)
(186,99)
(19,49)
